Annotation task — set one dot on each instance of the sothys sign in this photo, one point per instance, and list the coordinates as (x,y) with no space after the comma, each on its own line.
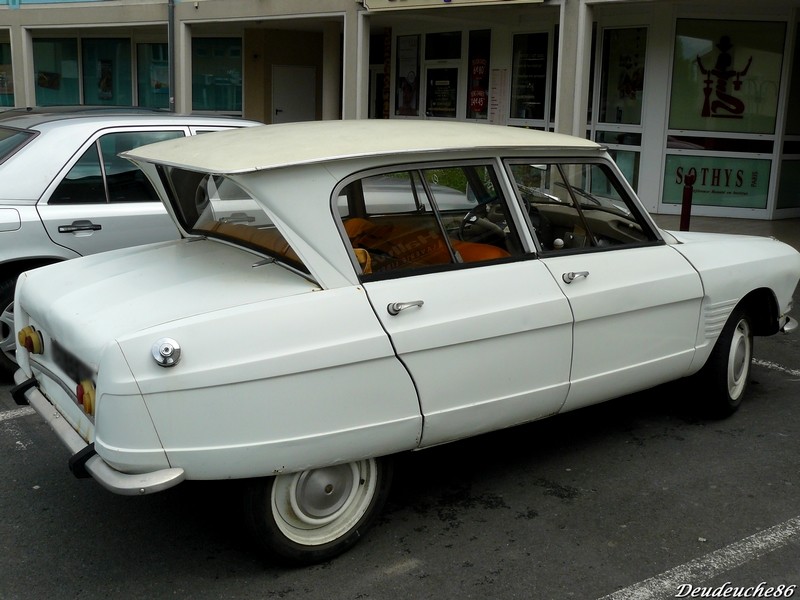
(406,4)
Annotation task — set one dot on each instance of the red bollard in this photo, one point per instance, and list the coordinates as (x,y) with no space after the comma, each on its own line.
(686,204)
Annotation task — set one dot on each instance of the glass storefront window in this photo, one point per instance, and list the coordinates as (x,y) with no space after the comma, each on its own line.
(217,74)
(529,76)
(407,69)
(6,76)
(480,44)
(726,75)
(441,93)
(443,46)
(718,181)
(152,75)
(107,72)
(622,79)
(55,62)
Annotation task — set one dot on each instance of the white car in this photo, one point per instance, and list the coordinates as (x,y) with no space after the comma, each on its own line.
(323,312)
(64,191)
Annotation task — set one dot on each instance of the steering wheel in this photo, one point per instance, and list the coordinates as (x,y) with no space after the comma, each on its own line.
(481,223)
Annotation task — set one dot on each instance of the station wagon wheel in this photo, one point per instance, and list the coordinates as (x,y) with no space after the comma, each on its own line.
(8,338)
(314,515)
(726,375)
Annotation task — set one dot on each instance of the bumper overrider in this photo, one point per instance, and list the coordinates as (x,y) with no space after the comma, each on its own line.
(84,460)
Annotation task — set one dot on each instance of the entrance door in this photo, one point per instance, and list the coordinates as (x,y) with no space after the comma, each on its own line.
(294,94)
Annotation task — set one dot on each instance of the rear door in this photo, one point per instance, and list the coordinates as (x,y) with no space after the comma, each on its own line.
(102,202)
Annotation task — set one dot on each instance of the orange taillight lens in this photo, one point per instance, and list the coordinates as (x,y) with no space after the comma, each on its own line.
(86,396)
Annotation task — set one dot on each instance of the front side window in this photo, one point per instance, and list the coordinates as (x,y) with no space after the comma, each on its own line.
(217,207)
(578,206)
(415,220)
(112,179)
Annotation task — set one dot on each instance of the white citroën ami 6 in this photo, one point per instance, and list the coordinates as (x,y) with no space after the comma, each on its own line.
(347,290)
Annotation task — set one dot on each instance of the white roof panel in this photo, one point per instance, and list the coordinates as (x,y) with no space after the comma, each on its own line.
(274,146)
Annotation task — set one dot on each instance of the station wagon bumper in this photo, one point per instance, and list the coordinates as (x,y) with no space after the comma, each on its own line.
(84,458)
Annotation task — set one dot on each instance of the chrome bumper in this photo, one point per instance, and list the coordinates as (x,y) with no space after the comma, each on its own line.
(788,325)
(83,455)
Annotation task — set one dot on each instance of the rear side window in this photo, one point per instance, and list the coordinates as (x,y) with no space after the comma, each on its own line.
(12,140)
(421,219)
(101,176)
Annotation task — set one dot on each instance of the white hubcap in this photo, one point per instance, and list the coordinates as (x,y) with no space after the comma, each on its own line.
(739,359)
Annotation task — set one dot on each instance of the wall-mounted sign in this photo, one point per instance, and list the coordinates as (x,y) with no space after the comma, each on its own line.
(719,181)
(406,4)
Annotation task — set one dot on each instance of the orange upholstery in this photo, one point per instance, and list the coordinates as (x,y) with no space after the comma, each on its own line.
(404,245)
(269,239)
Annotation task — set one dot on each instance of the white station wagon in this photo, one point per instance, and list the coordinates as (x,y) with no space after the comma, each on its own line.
(348,290)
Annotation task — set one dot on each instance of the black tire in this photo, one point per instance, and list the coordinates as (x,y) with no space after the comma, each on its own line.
(312,516)
(8,334)
(725,376)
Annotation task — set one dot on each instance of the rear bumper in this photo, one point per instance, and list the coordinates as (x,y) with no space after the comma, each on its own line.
(83,455)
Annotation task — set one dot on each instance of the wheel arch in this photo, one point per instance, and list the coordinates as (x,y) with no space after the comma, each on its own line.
(762,308)
(13,268)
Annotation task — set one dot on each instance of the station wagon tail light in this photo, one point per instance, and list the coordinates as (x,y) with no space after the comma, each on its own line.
(86,396)
(31,340)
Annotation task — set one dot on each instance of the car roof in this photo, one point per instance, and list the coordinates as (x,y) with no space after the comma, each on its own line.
(36,117)
(275,146)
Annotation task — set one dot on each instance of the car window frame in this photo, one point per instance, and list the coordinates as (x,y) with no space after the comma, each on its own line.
(520,227)
(94,140)
(629,198)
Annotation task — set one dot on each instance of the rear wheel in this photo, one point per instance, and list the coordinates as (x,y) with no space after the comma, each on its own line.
(726,375)
(314,515)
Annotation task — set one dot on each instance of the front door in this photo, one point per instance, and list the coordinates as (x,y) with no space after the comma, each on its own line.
(635,301)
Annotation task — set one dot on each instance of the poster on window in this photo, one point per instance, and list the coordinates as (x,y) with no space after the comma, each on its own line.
(105,82)
(718,181)
(442,93)
(407,92)
(726,75)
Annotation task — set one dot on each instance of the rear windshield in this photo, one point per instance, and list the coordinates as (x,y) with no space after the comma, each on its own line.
(12,140)
(215,206)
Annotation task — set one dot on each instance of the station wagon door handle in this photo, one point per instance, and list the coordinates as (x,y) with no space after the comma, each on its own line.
(573,275)
(395,307)
(79,226)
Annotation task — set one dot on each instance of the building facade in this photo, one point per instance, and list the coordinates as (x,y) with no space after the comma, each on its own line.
(682,92)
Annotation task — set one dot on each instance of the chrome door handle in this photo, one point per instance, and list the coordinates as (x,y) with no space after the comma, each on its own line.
(395,307)
(81,225)
(573,275)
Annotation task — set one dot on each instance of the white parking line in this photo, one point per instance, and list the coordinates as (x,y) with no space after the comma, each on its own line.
(776,367)
(706,567)
(16,413)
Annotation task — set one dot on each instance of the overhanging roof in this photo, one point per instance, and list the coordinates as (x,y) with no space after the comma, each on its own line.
(378,5)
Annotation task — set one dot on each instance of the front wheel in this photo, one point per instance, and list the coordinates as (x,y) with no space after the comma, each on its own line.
(314,515)
(726,375)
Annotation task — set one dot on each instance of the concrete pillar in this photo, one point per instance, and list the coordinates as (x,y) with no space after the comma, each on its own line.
(574,56)
(355,78)
(331,72)
(183,67)
(24,74)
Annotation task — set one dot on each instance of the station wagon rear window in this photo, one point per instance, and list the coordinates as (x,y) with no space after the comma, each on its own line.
(215,206)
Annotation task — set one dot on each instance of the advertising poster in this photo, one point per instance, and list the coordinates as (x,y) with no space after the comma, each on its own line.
(407,92)
(442,93)
(726,76)
(719,181)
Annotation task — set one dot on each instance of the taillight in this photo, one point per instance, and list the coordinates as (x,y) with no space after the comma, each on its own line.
(86,396)
(31,340)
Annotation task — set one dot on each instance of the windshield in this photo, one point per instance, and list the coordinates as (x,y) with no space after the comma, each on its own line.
(12,140)
(215,206)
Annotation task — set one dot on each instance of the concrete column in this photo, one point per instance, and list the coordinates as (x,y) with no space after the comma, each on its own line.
(356,64)
(183,67)
(22,60)
(331,71)
(574,55)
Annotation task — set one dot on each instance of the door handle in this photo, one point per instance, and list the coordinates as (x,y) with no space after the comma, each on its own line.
(394,308)
(81,225)
(573,275)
